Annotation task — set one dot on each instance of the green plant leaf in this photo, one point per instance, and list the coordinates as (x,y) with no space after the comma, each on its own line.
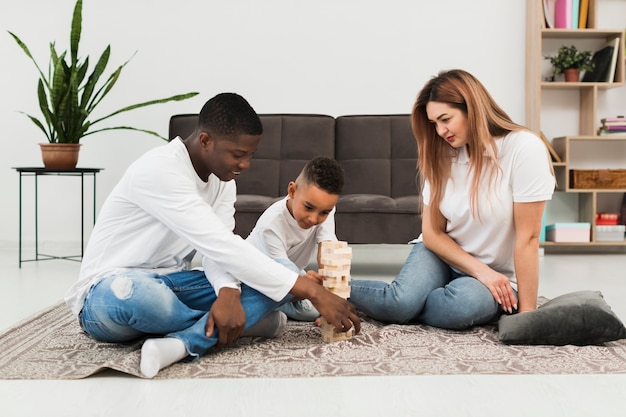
(28,54)
(127,128)
(39,124)
(178,97)
(77,24)
(94,77)
(67,96)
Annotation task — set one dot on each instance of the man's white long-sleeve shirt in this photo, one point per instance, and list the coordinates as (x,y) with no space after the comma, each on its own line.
(158,214)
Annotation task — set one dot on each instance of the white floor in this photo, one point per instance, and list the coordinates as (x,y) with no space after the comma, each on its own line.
(39,284)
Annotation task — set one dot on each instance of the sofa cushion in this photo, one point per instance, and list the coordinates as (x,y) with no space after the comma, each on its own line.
(248,208)
(369,203)
(288,143)
(378,154)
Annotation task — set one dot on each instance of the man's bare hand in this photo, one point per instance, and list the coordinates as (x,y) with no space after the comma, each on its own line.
(315,276)
(228,315)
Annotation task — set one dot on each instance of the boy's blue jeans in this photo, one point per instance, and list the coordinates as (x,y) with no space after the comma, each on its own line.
(302,310)
(428,291)
(135,304)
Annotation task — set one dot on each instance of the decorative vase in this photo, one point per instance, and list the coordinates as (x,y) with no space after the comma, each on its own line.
(572,75)
(59,155)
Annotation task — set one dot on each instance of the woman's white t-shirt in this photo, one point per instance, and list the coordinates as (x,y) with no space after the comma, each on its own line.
(524,176)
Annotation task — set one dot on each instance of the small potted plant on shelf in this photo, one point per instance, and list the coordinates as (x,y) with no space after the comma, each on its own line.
(68,95)
(569,61)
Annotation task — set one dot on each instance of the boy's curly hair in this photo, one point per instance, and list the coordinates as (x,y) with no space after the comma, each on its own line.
(325,173)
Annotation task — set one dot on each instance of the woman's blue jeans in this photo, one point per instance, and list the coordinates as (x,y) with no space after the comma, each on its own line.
(135,304)
(429,291)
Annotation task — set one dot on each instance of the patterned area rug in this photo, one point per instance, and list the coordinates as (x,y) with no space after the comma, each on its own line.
(51,345)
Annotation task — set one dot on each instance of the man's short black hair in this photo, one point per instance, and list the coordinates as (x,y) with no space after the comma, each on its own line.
(229,115)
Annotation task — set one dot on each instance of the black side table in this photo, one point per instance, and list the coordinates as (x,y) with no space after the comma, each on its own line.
(74,172)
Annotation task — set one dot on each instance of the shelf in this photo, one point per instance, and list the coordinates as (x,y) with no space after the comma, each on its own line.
(583,244)
(596,190)
(609,138)
(584,150)
(575,86)
(580,33)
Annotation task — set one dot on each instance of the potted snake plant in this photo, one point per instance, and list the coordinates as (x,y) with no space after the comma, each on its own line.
(68,96)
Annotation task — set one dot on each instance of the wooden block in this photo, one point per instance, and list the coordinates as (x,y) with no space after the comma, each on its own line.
(330,284)
(335,273)
(328,260)
(335,260)
(329,335)
(341,291)
(329,245)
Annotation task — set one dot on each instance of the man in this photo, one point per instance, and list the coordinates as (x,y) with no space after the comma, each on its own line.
(173,201)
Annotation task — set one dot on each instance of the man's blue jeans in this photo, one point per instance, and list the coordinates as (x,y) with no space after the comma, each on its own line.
(429,291)
(135,304)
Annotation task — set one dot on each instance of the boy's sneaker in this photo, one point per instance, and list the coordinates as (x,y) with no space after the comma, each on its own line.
(302,310)
(272,325)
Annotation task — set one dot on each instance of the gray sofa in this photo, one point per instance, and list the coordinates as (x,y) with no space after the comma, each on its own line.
(380,202)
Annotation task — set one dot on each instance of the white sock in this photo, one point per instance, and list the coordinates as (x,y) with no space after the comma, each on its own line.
(272,325)
(157,354)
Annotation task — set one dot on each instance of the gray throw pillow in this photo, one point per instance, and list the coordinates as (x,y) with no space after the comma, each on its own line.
(579,318)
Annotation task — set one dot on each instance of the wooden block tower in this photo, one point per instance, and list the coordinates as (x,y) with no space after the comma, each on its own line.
(335,260)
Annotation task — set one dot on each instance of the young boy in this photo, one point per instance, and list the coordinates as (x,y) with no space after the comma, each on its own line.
(291,230)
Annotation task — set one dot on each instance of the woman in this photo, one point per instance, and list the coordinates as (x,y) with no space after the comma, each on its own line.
(485,184)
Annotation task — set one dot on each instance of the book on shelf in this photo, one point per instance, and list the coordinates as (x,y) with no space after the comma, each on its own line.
(575,13)
(605,60)
(614,127)
(582,14)
(604,132)
(613,120)
(610,76)
(555,156)
(563,14)
(548,13)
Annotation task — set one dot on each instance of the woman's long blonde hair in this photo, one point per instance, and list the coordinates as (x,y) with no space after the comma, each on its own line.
(486,122)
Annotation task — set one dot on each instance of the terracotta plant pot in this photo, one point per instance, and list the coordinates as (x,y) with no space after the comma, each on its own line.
(572,75)
(59,155)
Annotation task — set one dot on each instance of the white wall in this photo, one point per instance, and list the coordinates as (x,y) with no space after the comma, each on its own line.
(329,56)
